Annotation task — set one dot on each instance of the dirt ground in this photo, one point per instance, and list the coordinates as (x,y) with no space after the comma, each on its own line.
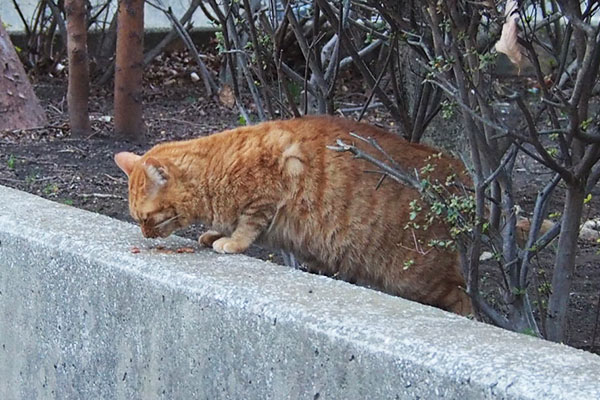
(80,171)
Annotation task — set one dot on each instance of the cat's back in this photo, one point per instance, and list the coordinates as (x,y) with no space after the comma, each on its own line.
(311,136)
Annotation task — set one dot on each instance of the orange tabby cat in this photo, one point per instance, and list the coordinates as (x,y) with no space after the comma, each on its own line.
(276,183)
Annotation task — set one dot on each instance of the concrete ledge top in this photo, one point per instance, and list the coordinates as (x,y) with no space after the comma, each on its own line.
(398,339)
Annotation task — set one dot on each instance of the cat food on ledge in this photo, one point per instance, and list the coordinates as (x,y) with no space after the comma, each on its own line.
(164,250)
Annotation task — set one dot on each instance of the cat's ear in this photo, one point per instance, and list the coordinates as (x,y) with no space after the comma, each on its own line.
(156,171)
(126,160)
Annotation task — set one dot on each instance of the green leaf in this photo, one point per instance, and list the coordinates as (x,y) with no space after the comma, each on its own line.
(12,160)
(585,124)
(528,332)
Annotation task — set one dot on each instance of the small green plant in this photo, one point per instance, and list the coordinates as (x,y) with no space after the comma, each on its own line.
(427,169)
(519,291)
(441,64)
(528,332)
(12,161)
(442,244)
(31,178)
(50,189)
(585,124)
(545,288)
(448,109)
(487,59)
(408,263)
(415,208)
(220,41)
(295,90)
(241,120)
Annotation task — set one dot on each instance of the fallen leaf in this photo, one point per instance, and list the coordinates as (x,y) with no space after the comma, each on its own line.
(185,250)
(135,250)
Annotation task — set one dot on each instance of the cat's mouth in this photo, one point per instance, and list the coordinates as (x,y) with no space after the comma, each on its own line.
(161,229)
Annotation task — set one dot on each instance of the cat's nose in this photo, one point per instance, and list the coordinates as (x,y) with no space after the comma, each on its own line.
(149,232)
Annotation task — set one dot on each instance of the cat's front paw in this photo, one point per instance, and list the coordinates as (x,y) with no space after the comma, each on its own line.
(228,245)
(209,237)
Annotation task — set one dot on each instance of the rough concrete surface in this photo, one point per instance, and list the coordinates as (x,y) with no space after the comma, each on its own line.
(82,317)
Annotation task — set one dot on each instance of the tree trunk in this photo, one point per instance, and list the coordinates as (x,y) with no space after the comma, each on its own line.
(564,264)
(19,106)
(79,85)
(128,70)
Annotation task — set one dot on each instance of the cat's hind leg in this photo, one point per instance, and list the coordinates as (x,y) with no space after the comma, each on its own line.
(457,301)
(209,237)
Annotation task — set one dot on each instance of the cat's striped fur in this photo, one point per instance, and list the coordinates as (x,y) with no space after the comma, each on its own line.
(277,183)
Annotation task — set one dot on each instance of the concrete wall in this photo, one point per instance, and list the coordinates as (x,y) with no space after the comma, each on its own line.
(82,317)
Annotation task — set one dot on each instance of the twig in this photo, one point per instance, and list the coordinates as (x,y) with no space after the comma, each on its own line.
(112,178)
(381,73)
(452,93)
(56,13)
(169,37)
(359,108)
(242,61)
(11,180)
(509,157)
(395,174)
(317,72)
(101,196)
(209,84)
(359,62)
(179,121)
(596,323)
(533,137)
(23,20)
(259,57)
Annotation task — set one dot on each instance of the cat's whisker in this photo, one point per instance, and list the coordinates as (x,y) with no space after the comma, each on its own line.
(166,221)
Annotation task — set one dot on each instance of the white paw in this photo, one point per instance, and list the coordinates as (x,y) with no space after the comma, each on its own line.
(226,245)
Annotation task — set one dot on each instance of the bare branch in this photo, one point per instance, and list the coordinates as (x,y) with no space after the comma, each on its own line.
(533,137)
(539,211)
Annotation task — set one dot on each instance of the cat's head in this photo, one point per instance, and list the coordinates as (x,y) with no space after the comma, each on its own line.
(154,196)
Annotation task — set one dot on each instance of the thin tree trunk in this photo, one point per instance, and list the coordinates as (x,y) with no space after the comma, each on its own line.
(564,264)
(106,50)
(79,86)
(19,106)
(128,70)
